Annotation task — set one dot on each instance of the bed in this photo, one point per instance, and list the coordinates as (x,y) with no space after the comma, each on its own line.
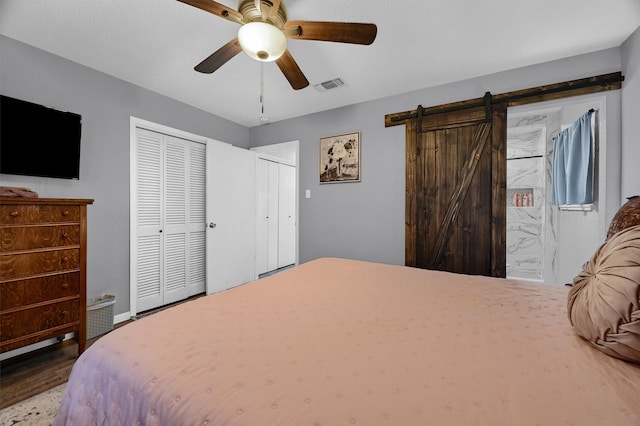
(344,342)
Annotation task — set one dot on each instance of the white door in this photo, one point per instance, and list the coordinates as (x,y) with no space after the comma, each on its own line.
(286,215)
(277,195)
(175,221)
(147,247)
(231,209)
(276,245)
(272,217)
(197,197)
(263,193)
(169,248)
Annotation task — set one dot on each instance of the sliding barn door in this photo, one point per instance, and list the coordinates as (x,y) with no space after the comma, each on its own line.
(456,191)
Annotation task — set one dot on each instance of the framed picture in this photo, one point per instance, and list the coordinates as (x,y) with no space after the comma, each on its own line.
(340,158)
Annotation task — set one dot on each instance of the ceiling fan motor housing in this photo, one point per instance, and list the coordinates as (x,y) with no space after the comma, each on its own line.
(252,14)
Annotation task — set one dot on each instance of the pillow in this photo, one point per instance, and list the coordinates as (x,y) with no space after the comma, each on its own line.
(604,302)
(628,215)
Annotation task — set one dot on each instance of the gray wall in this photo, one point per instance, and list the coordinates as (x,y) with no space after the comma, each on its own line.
(355,220)
(365,220)
(630,116)
(106,105)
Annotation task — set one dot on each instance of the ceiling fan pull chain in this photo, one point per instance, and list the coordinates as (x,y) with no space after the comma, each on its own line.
(261,89)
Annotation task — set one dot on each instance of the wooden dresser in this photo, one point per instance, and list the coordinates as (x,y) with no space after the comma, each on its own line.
(43,258)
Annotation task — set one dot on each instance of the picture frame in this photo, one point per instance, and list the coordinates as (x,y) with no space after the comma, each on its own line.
(340,158)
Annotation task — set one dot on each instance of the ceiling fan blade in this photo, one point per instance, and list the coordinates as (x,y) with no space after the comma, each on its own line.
(219,57)
(292,71)
(342,32)
(216,8)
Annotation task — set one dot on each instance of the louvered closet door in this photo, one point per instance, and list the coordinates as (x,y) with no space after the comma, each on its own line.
(149,220)
(196,268)
(171,198)
(175,220)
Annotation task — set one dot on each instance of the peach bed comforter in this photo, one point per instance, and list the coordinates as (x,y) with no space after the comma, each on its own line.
(340,342)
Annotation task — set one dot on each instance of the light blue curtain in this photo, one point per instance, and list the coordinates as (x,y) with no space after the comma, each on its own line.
(572,179)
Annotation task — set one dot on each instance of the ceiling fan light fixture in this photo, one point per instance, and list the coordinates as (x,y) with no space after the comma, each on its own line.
(262,41)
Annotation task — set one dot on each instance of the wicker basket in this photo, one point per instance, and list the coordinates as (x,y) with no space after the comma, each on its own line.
(100,315)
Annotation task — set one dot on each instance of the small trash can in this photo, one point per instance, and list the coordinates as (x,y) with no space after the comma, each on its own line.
(100,315)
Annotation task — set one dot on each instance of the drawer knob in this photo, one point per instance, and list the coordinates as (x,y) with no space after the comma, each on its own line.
(14,214)
(65,259)
(65,235)
(65,285)
(64,313)
(65,213)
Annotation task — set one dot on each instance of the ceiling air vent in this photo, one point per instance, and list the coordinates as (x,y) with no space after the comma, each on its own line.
(328,85)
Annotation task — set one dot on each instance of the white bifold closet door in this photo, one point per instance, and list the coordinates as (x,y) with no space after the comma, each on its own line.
(286,215)
(171,203)
(276,215)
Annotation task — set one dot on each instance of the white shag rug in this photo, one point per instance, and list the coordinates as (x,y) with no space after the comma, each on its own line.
(38,410)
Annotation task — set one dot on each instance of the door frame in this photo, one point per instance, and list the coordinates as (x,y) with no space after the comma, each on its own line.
(135,123)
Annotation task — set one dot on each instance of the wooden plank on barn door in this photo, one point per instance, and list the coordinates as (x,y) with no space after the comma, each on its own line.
(460,192)
(410,208)
(453,190)
(499,184)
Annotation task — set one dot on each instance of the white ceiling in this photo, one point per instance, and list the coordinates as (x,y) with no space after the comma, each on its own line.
(421,43)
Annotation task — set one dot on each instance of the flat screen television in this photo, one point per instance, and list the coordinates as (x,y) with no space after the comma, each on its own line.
(38,141)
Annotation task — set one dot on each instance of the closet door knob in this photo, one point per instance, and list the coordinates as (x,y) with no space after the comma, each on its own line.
(212,225)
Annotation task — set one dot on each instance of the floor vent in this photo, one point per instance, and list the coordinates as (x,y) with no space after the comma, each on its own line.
(330,84)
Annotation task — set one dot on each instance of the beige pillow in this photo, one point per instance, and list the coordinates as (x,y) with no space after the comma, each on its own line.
(627,216)
(604,302)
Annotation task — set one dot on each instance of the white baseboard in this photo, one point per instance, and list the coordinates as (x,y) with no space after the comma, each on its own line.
(126,316)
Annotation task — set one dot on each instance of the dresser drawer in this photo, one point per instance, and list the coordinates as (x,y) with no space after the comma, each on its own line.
(28,321)
(24,265)
(26,214)
(32,237)
(14,294)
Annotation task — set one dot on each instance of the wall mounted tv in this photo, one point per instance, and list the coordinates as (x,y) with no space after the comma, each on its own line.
(38,141)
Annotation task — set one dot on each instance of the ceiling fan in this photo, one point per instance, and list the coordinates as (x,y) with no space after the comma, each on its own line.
(263,35)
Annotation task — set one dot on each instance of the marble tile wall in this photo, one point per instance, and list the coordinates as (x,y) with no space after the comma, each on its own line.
(532,235)
(526,159)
